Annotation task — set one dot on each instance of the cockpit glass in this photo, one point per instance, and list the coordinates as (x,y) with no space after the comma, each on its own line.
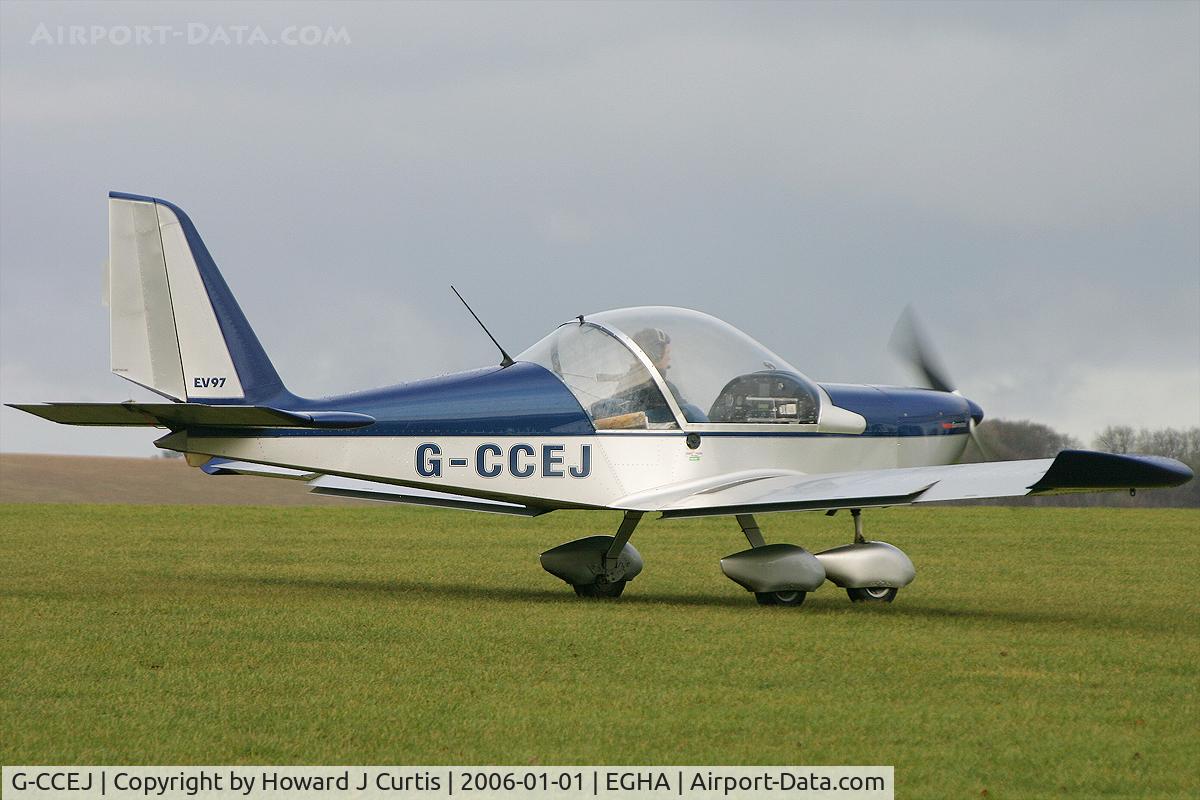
(604,375)
(715,372)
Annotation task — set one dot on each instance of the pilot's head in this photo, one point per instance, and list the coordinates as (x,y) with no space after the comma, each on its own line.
(656,344)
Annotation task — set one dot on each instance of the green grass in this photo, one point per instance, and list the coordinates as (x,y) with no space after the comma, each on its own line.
(1040,652)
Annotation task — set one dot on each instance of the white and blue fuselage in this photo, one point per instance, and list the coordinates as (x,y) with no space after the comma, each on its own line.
(517,433)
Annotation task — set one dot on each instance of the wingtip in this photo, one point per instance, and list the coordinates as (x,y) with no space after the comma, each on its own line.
(1088,469)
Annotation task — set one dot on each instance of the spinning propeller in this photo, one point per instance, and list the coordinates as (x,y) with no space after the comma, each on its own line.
(912,345)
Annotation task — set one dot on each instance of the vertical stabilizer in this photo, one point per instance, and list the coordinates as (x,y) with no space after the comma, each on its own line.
(175,327)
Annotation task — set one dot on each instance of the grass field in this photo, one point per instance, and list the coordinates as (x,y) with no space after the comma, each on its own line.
(1040,652)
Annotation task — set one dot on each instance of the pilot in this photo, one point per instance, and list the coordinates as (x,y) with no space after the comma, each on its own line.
(656,344)
(645,396)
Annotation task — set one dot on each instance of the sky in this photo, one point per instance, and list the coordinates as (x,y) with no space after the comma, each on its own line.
(1027,175)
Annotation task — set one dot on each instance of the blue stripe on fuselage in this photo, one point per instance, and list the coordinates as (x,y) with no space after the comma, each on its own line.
(520,400)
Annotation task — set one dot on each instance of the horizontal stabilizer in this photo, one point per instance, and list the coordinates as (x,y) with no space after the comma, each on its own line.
(191,415)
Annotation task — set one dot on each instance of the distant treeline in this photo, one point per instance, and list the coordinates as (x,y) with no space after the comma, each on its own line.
(1011,440)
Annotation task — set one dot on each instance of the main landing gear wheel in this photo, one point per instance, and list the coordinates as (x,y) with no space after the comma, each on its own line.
(600,589)
(780,598)
(873,594)
(597,566)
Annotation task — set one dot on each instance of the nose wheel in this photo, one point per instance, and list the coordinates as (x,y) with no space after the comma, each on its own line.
(870,572)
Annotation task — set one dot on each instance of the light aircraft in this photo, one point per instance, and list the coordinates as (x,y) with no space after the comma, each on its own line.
(639,410)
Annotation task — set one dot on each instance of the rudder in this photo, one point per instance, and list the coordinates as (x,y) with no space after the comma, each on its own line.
(175,327)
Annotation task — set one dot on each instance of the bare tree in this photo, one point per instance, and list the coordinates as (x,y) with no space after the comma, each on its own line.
(1169,442)
(1012,440)
(1116,439)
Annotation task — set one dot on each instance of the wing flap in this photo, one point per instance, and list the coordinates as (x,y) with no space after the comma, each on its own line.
(225,466)
(373,490)
(336,486)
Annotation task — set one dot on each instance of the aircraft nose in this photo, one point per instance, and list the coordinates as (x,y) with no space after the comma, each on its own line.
(976,411)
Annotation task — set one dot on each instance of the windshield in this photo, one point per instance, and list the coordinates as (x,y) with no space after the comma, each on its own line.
(715,372)
(607,379)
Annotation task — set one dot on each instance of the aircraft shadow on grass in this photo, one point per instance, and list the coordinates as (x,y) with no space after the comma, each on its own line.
(834,604)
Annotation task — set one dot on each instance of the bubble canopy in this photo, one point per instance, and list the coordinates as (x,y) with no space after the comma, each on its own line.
(657,366)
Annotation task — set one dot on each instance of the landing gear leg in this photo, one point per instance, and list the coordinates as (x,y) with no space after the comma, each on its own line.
(754,536)
(751,530)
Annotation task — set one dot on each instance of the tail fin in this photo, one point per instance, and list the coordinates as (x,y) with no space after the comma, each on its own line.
(175,326)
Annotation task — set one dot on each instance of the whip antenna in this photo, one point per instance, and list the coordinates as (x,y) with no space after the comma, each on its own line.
(506,359)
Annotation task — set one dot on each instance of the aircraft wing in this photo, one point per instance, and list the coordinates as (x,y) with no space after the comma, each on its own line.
(771,490)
